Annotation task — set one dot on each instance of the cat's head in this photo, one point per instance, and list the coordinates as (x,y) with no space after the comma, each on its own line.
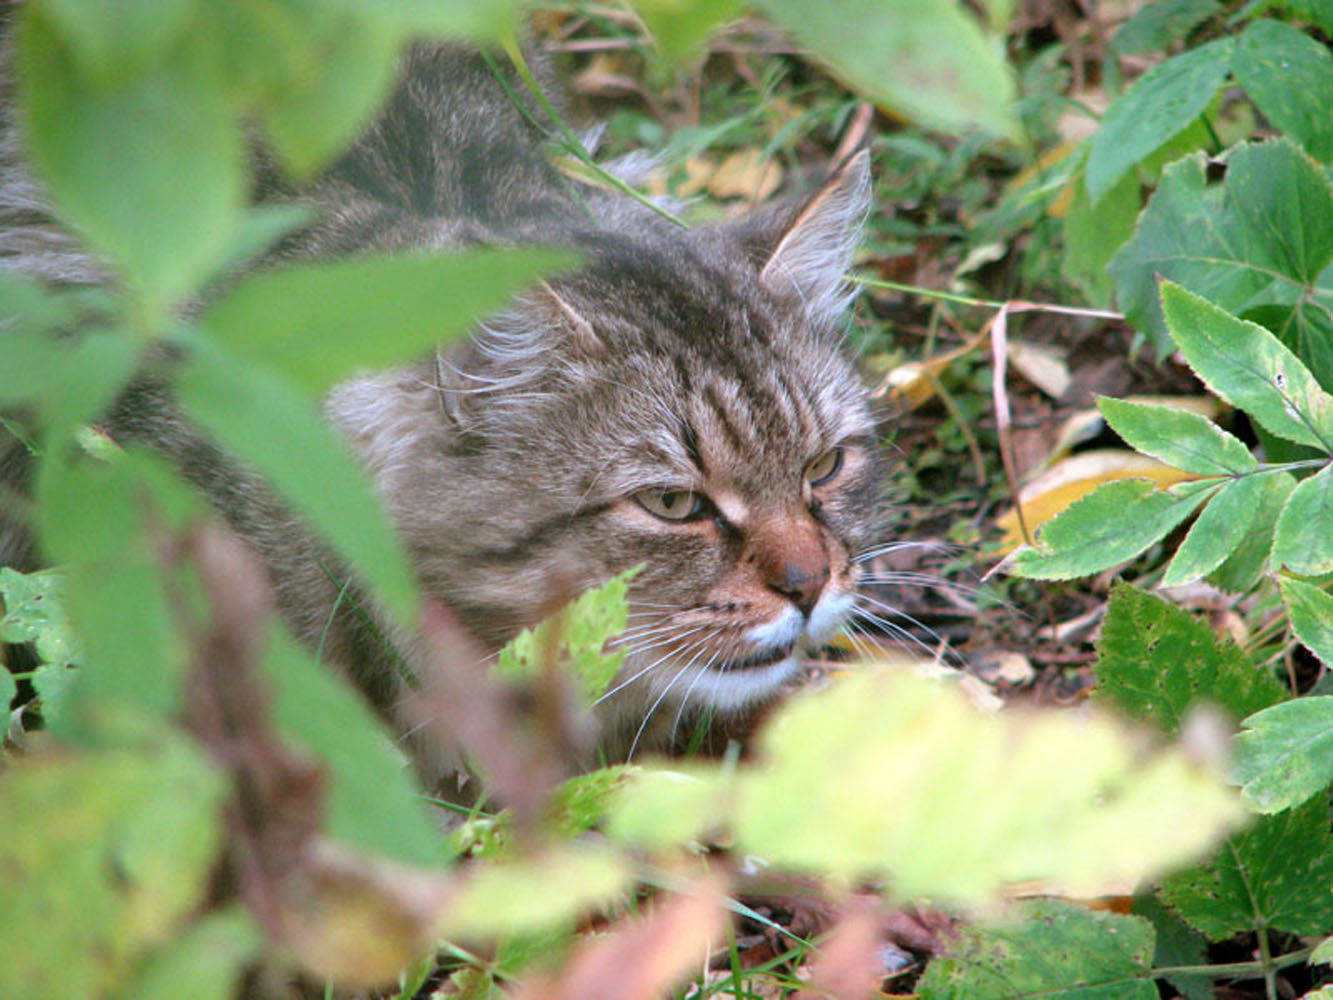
(684,402)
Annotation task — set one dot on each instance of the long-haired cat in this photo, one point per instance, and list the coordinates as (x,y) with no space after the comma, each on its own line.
(683,402)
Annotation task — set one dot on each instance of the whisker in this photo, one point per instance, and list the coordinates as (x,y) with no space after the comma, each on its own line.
(899,546)
(661,659)
(657,702)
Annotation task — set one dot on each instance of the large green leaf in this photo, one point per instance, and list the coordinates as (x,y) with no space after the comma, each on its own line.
(148,168)
(1112,524)
(927,60)
(442,18)
(1054,949)
(1155,661)
(1241,570)
(1218,531)
(1303,536)
(373,801)
(1261,241)
(679,29)
(1249,368)
(1278,875)
(1285,754)
(315,323)
(1156,25)
(203,963)
(1289,76)
(268,423)
(1177,437)
(103,853)
(1159,104)
(117,36)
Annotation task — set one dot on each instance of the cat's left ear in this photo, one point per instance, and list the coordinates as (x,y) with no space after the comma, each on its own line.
(813,250)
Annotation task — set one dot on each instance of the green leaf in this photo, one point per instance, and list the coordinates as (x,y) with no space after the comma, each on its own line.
(31,361)
(1260,242)
(1323,953)
(1248,562)
(1311,611)
(89,377)
(1303,536)
(52,682)
(1054,949)
(928,61)
(664,807)
(241,407)
(439,18)
(577,637)
(1159,104)
(1093,233)
(1154,26)
(1289,76)
(115,37)
(1112,524)
(680,29)
(1155,661)
(374,803)
(1219,530)
(34,612)
(1285,753)
(1249,368)
(9,690)
(1276,875)
(104,852)
(1177,944)
(150,169)
(315,323)
(320,111)
(203,963)
(1177,437)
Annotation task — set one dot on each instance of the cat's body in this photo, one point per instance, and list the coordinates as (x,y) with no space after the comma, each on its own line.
(682,402)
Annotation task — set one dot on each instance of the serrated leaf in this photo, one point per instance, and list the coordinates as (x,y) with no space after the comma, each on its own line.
(1154,661)
(928,61)
(1055,949)
(1303,536)
(1177,437)
(1276,875)
(374,803)
(315,323)
(34,612)
(203,963)
(1311,612)
(1242,569)
(1110,525)
(241,406)
(149,169)
(1284,755)
(1156,25)
(104,852)
(321,110)
(1156,106)
(498,898)
(1260,242)
(1177,944)
(118,36)
(1218,530)
(1250,368)
(1289,76)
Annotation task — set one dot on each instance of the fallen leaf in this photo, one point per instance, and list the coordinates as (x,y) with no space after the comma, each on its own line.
(747,174)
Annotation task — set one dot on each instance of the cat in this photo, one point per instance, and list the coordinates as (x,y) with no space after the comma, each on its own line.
(684,402)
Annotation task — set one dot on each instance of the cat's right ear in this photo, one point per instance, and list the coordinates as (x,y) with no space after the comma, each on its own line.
(810,248)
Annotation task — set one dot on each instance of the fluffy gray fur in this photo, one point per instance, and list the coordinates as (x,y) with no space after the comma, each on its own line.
(700,368)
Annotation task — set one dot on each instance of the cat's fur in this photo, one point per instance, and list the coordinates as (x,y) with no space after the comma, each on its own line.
(522,466)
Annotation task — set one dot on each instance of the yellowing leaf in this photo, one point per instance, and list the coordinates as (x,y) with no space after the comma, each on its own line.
(747,174)
(1075,477)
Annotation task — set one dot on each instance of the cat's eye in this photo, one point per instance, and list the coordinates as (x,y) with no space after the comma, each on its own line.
(670,505)
(824,468)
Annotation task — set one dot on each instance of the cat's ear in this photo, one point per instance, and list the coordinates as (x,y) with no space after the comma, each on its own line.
(811,248)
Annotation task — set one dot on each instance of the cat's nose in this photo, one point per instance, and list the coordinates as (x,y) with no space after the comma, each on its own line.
(802,585)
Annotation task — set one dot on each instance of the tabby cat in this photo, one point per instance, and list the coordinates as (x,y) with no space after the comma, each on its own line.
(684,402)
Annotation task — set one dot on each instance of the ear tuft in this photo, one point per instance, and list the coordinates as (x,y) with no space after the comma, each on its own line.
(814,250)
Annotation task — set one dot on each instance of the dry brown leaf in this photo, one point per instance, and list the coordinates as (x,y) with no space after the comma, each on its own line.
(747,174)
(1043,366)
(642,957)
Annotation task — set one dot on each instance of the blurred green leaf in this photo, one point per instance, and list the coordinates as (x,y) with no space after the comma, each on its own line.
(1051,949)
(663,807)
(104,852)
(1177,437)
(1289,76)
(1218,531)
(1156,25)
(203,963)
(150,168)
(1284,755)
(1159,104)
(1276,875)
(315,323)
(1249,368)
(52,682)
(680,27)
(1155,661)
(116,37)
(439,18)
(240,406)
(374,803)
(9,690)
(1093,232)
(1113,523)
(1262,239)
(1303,536)
(926,60)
